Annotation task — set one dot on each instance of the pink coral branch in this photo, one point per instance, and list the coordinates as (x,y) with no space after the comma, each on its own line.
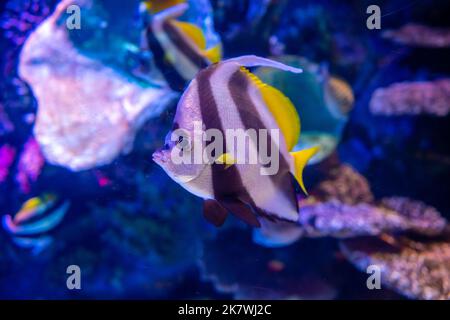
(412,98)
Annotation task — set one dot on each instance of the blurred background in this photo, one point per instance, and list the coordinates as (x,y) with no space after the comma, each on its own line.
(82,111)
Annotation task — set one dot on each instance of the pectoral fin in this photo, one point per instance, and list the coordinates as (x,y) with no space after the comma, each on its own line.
(300,160)
(226,159)
(241,210)
(214,212)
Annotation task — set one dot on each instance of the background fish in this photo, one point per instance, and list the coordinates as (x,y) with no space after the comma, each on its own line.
(30,226)
(179,48)
(227,96)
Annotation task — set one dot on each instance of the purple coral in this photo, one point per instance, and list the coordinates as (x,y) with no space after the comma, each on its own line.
(416,269)
(342,206)
(7,154)
(412,98)
(417,35)
(30,165)
(421,218)
(342,220)
(21,17)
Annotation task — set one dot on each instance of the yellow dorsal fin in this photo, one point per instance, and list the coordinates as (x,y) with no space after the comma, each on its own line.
(281,108)
(28,209)
(214,54)
(192,32)
(227,159)
(300,159)
(32,203)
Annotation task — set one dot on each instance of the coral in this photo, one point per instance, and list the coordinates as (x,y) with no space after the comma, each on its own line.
(344,184)
(412,98)
(7,155)
(342,220)
(30,165)
(417,35)
(17,21)
(342,206)
(21,17)
(422,219)
(79,127)
(416,269)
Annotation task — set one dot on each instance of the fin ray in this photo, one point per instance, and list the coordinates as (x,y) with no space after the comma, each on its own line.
(255,61)
(241,210)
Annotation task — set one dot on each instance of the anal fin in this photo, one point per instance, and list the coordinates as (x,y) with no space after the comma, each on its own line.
(214,212)
(241,210)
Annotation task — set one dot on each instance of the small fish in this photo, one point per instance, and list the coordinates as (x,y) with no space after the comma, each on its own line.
(36,217)
(227,96)
(179,48)
(338,94)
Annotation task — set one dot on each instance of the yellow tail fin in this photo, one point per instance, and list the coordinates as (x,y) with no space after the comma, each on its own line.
(214,54)
(300,159)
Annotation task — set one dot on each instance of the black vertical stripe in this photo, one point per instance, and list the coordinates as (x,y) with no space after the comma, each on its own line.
(238,85)
(227,184)
(177,38)
(173,78)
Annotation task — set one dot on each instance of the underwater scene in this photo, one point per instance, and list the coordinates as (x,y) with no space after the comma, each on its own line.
(225,149)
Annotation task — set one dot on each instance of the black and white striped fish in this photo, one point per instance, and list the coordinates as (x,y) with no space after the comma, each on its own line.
(179,48)
(227,96)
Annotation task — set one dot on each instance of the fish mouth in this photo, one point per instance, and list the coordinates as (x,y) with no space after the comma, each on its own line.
(161,157)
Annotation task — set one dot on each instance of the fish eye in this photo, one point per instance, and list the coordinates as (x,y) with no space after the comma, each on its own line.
(181,139)
(183,143)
